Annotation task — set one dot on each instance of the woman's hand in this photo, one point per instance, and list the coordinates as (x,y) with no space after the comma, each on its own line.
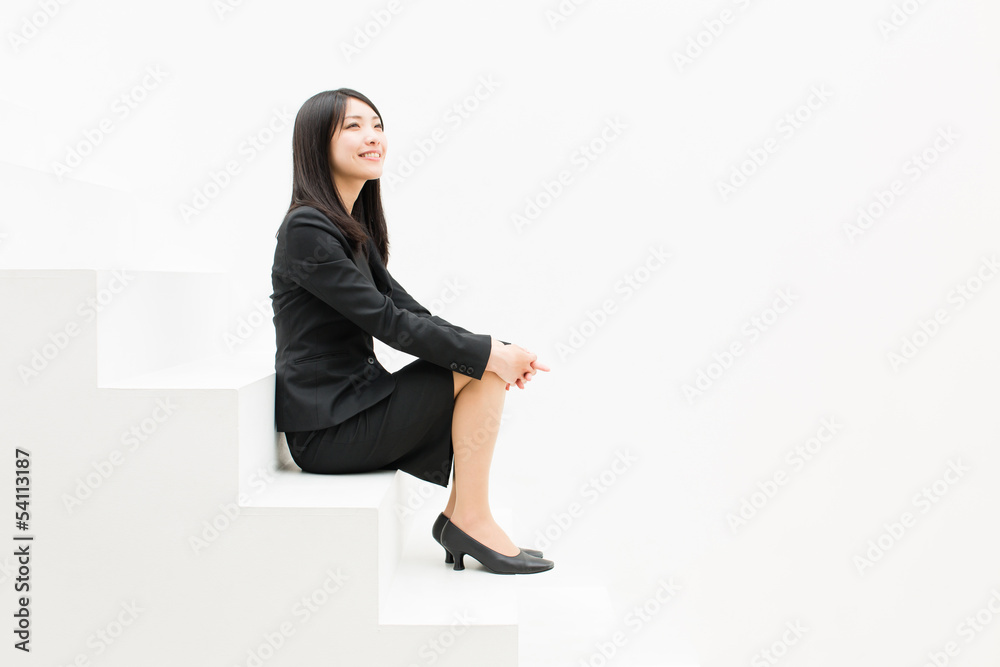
(514,364)
(535,366)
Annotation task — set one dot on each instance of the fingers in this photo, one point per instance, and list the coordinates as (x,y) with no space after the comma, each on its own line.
(537,365)
(528,375)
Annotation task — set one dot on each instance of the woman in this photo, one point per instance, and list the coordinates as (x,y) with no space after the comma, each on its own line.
(340,410)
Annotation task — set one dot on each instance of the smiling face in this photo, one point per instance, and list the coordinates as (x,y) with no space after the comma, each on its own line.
(357,149)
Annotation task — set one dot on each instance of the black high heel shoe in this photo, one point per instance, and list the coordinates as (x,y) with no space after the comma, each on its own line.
(436,532)
(458,544)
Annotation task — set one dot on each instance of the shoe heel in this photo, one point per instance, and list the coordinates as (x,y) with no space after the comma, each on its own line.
(448,558)
(459,544)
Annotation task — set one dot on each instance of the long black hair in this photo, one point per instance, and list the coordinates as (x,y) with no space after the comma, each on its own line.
(312,176)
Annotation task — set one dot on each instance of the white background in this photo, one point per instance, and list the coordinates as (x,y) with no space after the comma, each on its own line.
(231,73)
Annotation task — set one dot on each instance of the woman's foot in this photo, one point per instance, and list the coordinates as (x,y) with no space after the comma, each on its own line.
(486,531)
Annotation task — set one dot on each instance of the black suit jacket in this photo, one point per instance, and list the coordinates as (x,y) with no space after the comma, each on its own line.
(328,303)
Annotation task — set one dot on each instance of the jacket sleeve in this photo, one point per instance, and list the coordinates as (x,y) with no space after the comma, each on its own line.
(403,299)
(316,260)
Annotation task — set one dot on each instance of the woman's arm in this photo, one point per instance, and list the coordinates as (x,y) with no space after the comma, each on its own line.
(315,259)
(403,299)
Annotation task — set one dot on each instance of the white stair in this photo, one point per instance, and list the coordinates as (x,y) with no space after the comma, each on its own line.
(159,481)
(202,523)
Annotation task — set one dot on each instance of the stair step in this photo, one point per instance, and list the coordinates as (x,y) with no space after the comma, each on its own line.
(222,370)
(426,591)
(560,623)
(302,492)
(151,320)
(209,502)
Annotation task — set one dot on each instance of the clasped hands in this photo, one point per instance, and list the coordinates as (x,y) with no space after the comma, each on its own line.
(514,364)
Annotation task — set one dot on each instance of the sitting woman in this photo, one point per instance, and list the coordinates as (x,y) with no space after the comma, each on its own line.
(340,410)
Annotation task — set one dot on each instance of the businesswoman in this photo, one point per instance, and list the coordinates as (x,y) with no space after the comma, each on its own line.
(340,410)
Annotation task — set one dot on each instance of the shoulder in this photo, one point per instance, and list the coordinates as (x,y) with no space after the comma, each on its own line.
(307,215)
(308,232)
(309,221)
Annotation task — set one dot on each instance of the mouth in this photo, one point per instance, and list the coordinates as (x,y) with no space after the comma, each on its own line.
(372,155)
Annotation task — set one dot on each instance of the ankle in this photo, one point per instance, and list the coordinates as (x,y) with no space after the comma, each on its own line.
(472,520)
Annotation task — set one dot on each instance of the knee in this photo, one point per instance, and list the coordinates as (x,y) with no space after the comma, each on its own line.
(488,376)
(489,380)
(491,377)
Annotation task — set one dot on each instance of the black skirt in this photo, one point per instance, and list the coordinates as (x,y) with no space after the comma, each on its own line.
(408,430)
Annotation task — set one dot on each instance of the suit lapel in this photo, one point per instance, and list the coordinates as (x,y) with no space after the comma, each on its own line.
(373,269)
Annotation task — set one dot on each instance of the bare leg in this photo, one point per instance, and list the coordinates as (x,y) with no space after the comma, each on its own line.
(476,421)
